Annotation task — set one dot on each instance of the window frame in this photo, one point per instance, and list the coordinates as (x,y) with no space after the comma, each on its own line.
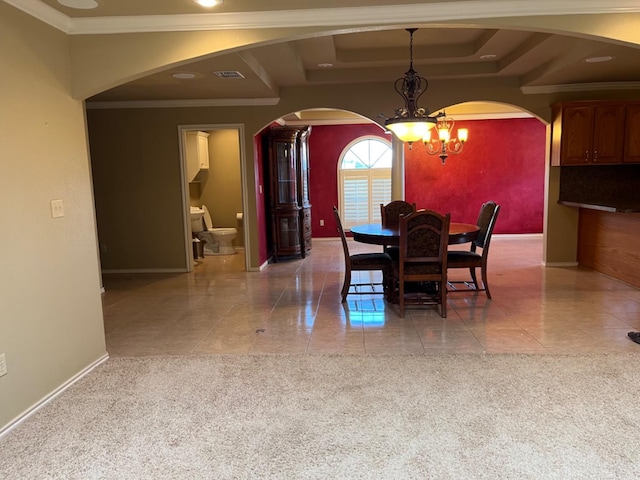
(371,175)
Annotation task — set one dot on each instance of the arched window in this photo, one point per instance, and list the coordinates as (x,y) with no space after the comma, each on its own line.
(364,176)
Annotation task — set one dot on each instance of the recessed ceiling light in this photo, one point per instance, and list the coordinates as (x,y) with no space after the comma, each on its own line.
(325,65)
(487,57)
(183,75)
(208,3)
(81,4)
(604,58)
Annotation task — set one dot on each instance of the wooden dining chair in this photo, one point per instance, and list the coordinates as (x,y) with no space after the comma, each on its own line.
(471,259)
(390,213)
(390,218)
(363,262)
(420,274)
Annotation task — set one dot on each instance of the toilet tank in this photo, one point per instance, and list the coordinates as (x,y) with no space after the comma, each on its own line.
(196,219)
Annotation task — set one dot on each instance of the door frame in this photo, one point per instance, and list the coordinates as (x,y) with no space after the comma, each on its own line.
(182,138)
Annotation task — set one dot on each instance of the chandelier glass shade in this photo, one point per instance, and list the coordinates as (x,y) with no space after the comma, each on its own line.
(411,131)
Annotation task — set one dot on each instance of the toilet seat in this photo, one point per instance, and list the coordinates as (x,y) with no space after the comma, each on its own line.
(223,231)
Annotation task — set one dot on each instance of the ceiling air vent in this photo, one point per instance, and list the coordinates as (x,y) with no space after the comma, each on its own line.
(229,74)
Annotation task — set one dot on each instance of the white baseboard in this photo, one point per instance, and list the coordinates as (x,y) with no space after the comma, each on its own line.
(263,266)
(145,270)
(37,406)
(518,236)
(560,264)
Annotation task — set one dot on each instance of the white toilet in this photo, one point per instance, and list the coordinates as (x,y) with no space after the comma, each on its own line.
(217,240)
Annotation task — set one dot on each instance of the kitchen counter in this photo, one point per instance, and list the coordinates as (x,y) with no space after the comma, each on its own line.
(603,208)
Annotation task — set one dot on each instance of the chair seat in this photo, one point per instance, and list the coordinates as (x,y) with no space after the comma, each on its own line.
(370,259)
(463,257)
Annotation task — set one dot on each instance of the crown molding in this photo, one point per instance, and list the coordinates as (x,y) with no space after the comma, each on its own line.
(321,17)
(363,121)
(275,101)
(223,102)
(580,87)
(327,122)
(492,115)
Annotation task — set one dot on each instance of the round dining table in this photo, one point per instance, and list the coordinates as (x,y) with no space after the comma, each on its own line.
(376,234)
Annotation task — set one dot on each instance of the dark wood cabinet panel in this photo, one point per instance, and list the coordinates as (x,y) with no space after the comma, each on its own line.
(289,209)
(608,134)
(632,134)
(577,127)
(588,134)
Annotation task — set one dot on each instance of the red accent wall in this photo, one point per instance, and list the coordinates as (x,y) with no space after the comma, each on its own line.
(502,161)
(326,143)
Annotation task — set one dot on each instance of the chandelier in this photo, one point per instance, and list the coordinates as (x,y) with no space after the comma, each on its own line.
(412,123)
(445,142)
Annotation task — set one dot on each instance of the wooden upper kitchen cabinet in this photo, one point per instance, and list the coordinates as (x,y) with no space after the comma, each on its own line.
(632,134)
(588,133)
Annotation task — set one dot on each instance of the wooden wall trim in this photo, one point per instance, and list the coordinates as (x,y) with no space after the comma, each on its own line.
(609,243)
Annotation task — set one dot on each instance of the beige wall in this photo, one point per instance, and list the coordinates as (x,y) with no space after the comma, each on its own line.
(135,159)
(111,133)
(51,323)
(103,61)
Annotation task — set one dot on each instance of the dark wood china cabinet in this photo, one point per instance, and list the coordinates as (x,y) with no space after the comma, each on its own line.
(287,152)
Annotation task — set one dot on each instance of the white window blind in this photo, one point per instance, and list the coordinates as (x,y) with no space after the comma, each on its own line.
(356,206)
(380,192)
(364,181)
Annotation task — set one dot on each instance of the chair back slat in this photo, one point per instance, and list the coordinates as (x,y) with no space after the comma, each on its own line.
(343,237)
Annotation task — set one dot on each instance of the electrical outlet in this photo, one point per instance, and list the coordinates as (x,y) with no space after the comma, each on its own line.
(57,208)
(3,365)
(322,223)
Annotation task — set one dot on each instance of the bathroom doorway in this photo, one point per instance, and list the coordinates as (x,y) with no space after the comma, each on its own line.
(221,185)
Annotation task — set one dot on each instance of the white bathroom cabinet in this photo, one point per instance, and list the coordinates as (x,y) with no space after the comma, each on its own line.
(197,152)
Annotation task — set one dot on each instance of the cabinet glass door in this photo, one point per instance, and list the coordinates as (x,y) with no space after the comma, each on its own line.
(286,172)
(304,173)
(289,231)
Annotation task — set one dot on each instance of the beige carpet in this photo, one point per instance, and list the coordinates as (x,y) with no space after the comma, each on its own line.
(338,417)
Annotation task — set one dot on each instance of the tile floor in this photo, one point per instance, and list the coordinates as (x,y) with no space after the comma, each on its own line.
(294,307)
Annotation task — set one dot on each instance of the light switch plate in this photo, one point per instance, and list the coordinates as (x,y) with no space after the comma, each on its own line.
(3,365)
(57,208)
